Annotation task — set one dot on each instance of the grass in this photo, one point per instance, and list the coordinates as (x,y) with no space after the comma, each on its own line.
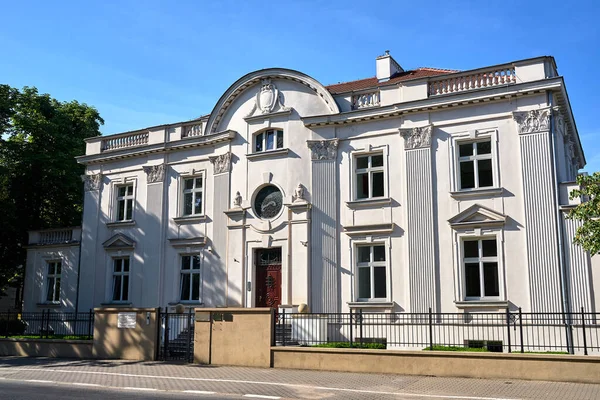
(58,337)
(346,345)
(456,348)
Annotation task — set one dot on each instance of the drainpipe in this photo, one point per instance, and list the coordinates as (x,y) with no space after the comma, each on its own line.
(561,256)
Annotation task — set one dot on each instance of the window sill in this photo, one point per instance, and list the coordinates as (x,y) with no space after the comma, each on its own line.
(462,194)
(119,224)
(466,304)
(370,304)
(267,153)
(52,305)
(189,218)
(116,304)
(376,202)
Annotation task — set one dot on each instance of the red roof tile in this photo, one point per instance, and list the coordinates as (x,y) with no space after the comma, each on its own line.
(369,83)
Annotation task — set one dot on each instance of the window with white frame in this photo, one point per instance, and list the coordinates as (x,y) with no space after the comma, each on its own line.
(53,281)
(190,278)
(124,201)
(271,139)
(369,175)
(480,263)
(372,272)
(475,164)
(193,189)
(120,279)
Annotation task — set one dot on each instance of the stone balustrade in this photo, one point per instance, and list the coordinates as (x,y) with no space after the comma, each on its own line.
(474,80)
(124,141)
(365,100)
(192,130)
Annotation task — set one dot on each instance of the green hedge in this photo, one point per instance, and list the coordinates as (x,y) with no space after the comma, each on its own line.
(12,327)
(456,348)
(346,345)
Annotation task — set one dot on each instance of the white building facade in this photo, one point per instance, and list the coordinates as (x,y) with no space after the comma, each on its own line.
(406,191)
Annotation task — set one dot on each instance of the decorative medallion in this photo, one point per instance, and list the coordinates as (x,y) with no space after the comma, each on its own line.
(155,173)
(268,100)
(532,121)
(417,138)
(323,149)
(268,202)
(91,182)
(221,163)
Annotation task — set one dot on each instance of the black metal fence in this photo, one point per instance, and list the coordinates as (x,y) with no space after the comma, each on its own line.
(176,336)
(575,333)
(47,324)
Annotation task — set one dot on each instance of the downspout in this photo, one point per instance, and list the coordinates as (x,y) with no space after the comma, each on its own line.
(561,256)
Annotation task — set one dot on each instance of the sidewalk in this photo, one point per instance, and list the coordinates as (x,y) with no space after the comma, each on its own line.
(277,383)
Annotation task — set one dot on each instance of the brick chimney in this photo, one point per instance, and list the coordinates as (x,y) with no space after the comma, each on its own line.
(387,67)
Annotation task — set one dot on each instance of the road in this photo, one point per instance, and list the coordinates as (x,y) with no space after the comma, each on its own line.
(44,378)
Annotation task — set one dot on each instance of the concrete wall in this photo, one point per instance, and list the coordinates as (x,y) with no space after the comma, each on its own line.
(234,336)
(46,348)
(560,368)
(112,342)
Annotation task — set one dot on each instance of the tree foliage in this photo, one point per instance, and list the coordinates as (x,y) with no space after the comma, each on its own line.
(588,212)
(40,184)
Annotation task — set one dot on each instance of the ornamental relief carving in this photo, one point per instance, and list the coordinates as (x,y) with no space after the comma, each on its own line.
(267,100)
(221,163)
(532,121)
(91,182)
(417,138)
(155,173)
(323,149)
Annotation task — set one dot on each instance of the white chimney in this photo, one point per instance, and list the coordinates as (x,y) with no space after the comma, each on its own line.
(387,67)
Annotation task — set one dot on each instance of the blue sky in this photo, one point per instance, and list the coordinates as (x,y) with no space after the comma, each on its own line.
(144,63)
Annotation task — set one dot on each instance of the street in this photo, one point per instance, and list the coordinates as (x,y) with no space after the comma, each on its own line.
(43,378)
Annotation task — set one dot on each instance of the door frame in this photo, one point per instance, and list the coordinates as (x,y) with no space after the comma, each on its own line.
(256,251)
(250,271)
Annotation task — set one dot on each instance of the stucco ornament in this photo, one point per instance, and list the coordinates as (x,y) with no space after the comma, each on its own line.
(221,163)
(155,173)
(267,100)
(416,138)
(323,149)
(91,182)
(237,200)
(299,193)
(532,121)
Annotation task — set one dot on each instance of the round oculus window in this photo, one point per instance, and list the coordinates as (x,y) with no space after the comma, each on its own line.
(268,202)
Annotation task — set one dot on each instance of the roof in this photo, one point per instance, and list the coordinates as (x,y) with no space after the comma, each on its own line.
(372,82)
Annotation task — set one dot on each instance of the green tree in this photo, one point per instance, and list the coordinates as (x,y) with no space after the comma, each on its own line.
(40,184)
(588,212)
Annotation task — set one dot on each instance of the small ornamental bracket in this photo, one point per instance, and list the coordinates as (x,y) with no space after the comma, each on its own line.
(91,183)
(416,138)
(532,121)
(155,173)
(221,163)
(323,149)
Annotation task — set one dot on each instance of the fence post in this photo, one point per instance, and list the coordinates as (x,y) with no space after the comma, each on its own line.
(90,323)
(508,328)
(585,352)
(351,328)
(7,324)
(41,325)
(430,329)
(190,356)
(48,325)
(361,327)
(283,326)
(167,333)
(521,329)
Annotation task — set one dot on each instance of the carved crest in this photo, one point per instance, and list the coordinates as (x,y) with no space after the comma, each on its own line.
(532,121)
(323,149)
(416,138)
(267,100)
(91,182)
(221,163)
(155,173)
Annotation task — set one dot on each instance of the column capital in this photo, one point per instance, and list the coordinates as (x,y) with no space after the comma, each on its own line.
(532,121)
(92,182)
(323,149)
(155,173)
(221,163)
(416,138)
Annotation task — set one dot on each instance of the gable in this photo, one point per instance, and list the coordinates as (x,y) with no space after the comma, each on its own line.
(477,215)
(119,241)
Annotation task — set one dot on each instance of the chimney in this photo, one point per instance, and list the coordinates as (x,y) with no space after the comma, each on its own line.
(387,67)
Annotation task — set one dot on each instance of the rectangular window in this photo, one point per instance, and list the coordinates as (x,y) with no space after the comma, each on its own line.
(53,281)
(475,165)
(268,140)
(124,202)
(192,196)
(372,272)
(369,176)
(190,278)
(480,260)
(120,279)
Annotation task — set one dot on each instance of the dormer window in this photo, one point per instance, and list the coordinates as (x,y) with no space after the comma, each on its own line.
(271,139)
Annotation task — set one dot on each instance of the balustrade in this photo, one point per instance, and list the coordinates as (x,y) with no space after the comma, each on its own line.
(121,142)
(192,130)
(462,83)
(56,236)
(365,100)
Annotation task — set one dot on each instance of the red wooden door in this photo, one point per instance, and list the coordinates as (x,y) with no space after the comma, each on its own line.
(268,278)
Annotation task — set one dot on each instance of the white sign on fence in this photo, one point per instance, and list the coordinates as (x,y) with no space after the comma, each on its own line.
(126,320)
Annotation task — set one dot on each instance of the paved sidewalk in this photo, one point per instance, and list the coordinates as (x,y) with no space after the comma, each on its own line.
(278,383)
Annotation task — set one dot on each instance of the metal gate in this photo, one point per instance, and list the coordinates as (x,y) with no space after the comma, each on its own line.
(176,336)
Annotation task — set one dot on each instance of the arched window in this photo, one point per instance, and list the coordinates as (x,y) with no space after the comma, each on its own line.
(271,139)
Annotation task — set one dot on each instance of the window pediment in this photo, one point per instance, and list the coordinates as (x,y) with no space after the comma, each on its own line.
(119,242)
(477,215)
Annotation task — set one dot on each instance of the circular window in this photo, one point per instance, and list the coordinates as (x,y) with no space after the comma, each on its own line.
(268,202)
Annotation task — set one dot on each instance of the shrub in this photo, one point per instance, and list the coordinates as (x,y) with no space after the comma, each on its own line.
(346,345)
(12,327)
(456,348)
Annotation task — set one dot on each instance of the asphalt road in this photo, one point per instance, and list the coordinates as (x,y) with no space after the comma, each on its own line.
(22,390)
